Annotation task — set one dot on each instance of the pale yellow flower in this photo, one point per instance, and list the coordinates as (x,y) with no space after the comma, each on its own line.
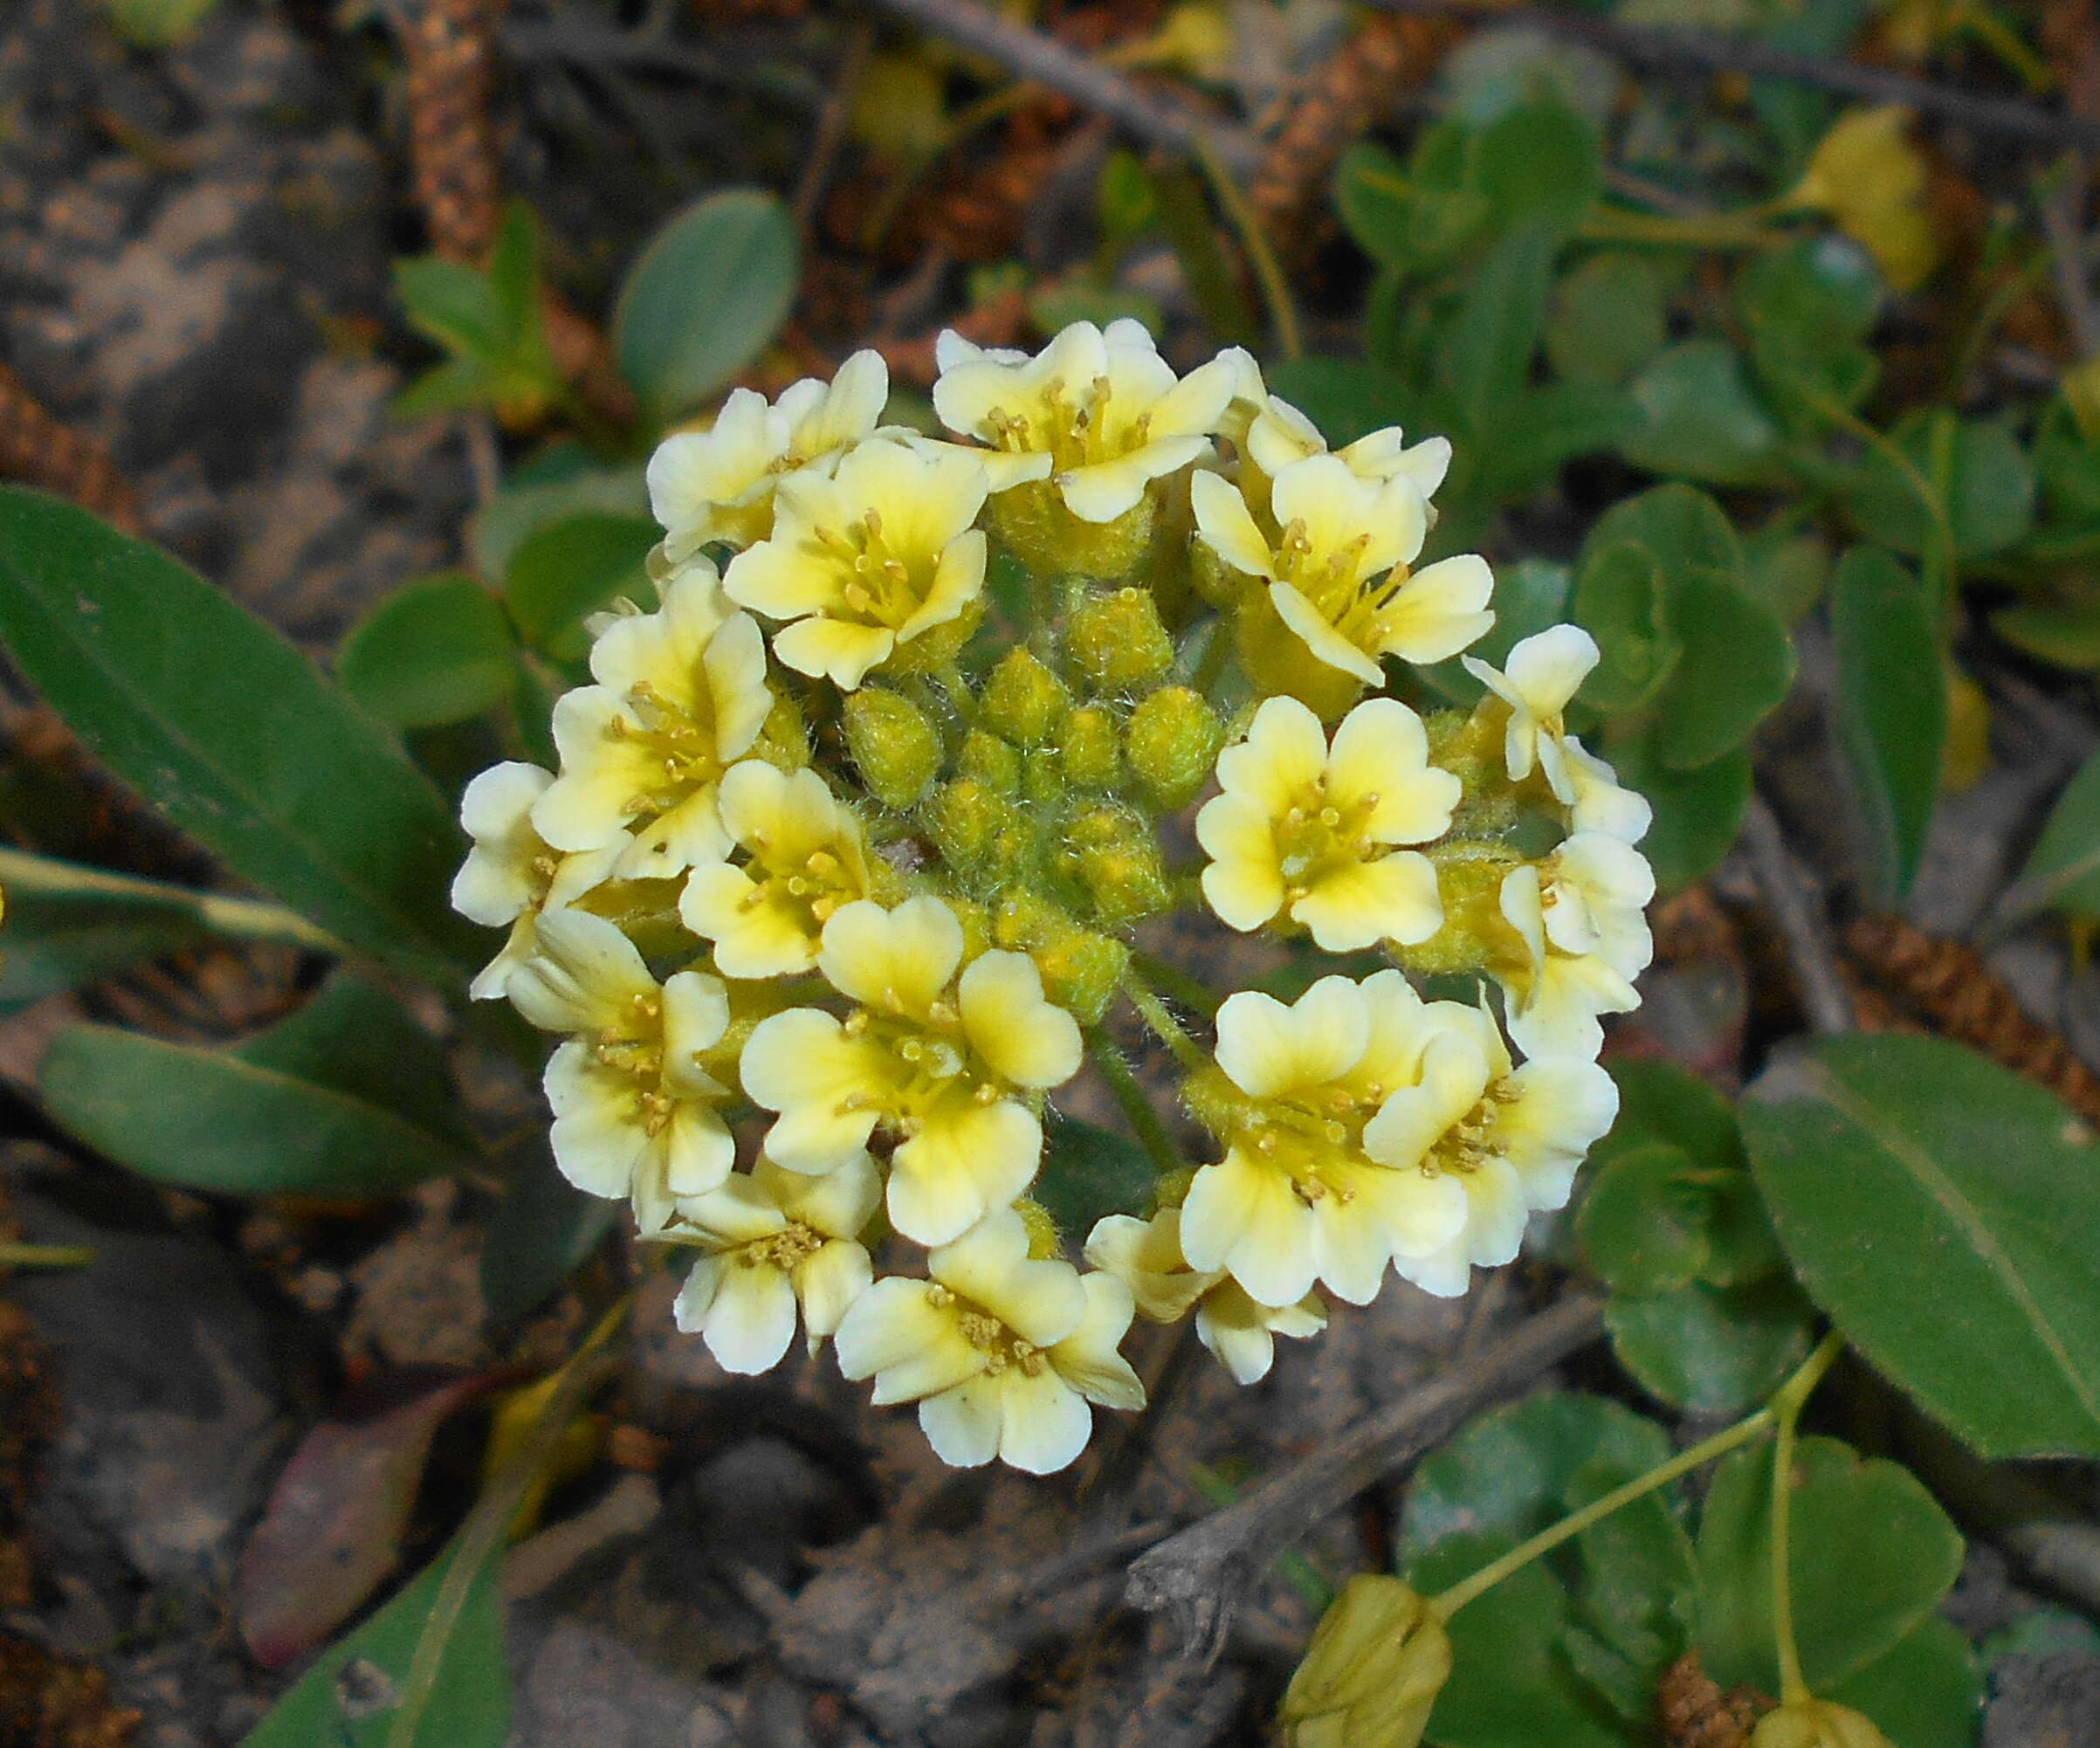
(1296,1199)
(868,559)
(717,485)
(1337,569)
(1309,827)
(1580,918)
(937,1060)
(1507,1141)
(1874,184)
(806,856)
(1378,1658)
(1002,1352)
(1544,670)
(1279,435)
(1099,413)
(1600,804)
(635,1113)
(774,1240)
(681,696)
(513,874)
(1240,1331)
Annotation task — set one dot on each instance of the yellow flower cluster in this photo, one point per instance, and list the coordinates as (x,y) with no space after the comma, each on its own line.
(837,881)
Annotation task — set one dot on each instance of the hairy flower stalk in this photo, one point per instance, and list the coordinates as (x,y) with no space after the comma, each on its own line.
(829,880)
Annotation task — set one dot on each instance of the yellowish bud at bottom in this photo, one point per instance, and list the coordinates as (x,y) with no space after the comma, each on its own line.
(1080,968)
(1816,1724)
(895,748)
(1023,700)
(1033,524)
(1093,758)
(1172,741)
(1044,1239)
(1282,665)
(986,758)
(1119,642)
(1378,1658)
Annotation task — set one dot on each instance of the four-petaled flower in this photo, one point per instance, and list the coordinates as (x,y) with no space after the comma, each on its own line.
(867,558)
(1279,434)
(1578,919)
(1544,672)
(1296,1199)
(1002,1352)
(1337,567)
(936,1060)
(681,696)
(807,856)
(1503,1144)
(1310,828)
(511,873)
(772,1239)
(1240,1331)
(717,486)
(637,1113)
(1099,413)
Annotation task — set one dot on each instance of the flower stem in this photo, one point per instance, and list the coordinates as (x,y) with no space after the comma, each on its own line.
(22,873)
(1172,981)
(1268,270)
(1129,1098)
(1164,1027)
(1784,1406)
(14,1255)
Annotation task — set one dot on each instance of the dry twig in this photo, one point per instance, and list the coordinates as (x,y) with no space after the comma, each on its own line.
(1652,46)
(449,46)
(1802,928)
(1198,1574)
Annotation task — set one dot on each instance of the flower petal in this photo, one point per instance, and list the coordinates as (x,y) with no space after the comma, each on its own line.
(1020,1037)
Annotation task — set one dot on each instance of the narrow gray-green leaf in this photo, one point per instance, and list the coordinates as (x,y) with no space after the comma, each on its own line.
(226,728)
(1942,1211)
(1891,708)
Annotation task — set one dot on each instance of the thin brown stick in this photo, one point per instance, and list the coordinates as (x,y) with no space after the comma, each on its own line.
(449,46)
(1032,55)
(1803,930)
(1650,45)
(1200,1574)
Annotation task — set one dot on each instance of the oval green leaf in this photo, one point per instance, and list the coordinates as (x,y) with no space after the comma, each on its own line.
(1698,812)
(1942,1211)
(1891,709)
(708,293)
(1736,666)
(226,728)
(436,651)
(2064,873)
(1711,1350)
(574,566)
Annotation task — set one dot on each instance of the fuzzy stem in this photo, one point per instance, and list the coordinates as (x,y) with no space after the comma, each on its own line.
(1169,1030)
(1129,1098)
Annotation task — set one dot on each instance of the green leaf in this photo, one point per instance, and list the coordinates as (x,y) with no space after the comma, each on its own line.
(561,482)
(306,1108)
(226,728)
(1543,430)
(1089,1171)
(1620,601)
(1869,1555)
(1346,397)
(1414,214)
(1639,1573)
(1372,198)
(2066,466)
(1609,318)
(455,383)
(457,307)
(1786,570)
(1737,667)
(361,1042)
(469,1705)
(1699,418)
(1698,812)
(157,23)
(705,297)
(1510,1471)
(1942,1211)
(1541,165)
(1977,471)
(1807,308)
(54,941)
(1641,1222)
(574,566)
(1660,1102)
(1681,524)
(541,1230)
(1530,596)
(1214,286)
(1925,1691)
(436,651)
(1891,709)
(2064,873)
(2065,633)
(1716,1352)
(1488,360)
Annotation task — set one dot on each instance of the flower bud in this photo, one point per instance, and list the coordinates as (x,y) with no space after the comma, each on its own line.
(1044,1241)
(1377,1662)
(938,645)
(1173,742)
(1118,859)
(969,822)
(1032,522)
(1024,701)
(1816,1724)
(1092,757)
(1080,967)
(784,739)
(1118,642)
(897,749)
(987,759)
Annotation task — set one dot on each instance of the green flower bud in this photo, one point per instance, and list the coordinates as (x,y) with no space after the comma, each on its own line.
(989,761)
(1119,862)
(783,740)
(1173,743)
(1816,1724)
(1120,643)
(1377,1662)
(1044,1241)
(969,823)
(1092,756)
(1080,967)
(938,645)
(1172,1189)
(895,748)
(1024,701)
(1033,524)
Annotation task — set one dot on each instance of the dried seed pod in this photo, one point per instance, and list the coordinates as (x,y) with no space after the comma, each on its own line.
(1954,985)
(1691,1711)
